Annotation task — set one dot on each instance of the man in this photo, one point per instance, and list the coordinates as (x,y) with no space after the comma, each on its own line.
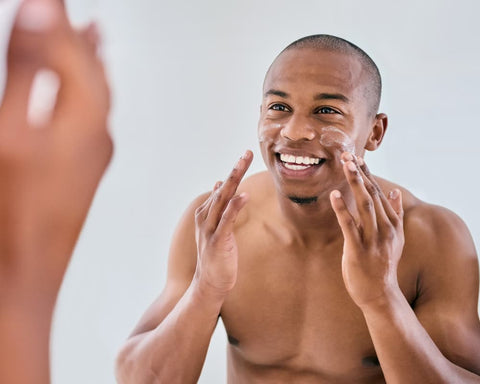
(320,272)
(48,177)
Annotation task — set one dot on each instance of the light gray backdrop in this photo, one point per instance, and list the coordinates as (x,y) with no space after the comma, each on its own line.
(186,79)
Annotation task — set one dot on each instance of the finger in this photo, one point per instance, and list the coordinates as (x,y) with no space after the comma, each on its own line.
(83,97)
(91,36)
(222,195)
(389,211)
(363,200)
(344,217)
(396,202)
(380,202)
(230,214)
(202,211)
(31,24)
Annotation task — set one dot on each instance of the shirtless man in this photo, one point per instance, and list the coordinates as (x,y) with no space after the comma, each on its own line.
(48,176)
(320,272)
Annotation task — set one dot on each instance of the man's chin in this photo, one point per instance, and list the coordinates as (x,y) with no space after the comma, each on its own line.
(303,200)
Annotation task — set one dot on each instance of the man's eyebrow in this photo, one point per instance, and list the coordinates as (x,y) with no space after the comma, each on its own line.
(276,92)
(331,96)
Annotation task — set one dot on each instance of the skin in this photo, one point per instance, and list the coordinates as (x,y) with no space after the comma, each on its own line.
(319,292)
(49,174)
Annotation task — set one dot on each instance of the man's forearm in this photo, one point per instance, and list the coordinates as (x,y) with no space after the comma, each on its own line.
(406,352)
(173,352)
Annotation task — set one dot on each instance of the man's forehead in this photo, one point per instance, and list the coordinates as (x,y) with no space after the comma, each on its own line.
(316,67)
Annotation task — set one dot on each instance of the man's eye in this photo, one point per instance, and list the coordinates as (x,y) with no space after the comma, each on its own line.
(279,107)
(326,110)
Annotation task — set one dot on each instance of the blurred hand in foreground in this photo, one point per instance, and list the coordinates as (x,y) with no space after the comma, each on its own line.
(48,176)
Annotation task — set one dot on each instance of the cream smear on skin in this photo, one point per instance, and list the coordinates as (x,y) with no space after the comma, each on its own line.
(261,135)
(332,137)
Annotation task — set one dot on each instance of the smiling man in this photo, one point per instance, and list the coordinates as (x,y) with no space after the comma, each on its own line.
(320,272)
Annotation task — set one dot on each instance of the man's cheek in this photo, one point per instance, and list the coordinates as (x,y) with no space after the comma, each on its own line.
(336,141)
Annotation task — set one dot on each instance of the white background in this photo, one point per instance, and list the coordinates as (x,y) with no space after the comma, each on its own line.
(186,79)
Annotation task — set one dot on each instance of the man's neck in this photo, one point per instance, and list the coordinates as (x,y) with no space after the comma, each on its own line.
(313,223)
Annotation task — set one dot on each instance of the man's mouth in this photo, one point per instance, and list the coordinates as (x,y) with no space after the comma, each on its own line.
(299,163)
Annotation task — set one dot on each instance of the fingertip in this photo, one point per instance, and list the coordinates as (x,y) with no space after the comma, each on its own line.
(37,15)
(244,196)
(247,155)
(335,194)
(346,156)
(336,199)
(394,194)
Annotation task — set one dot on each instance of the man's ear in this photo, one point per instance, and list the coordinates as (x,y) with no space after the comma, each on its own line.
(377,133)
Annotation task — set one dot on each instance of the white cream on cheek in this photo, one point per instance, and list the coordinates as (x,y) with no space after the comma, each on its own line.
(332,137)
(263,132)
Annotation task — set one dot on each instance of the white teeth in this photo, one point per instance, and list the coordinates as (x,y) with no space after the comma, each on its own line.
(290,159)
(296,167)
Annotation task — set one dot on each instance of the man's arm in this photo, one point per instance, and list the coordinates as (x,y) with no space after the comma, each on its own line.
(171,341)
(438,340)
(447,305)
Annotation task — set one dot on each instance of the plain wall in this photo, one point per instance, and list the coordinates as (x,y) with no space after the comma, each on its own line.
(186,79)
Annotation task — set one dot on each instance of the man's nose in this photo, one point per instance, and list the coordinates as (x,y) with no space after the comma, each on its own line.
(298,129)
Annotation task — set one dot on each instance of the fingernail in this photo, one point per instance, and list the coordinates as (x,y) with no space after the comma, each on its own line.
(393,194)
(348,156)
(336,194)
(351,166)
(36,16)
(244,156)
(360,161)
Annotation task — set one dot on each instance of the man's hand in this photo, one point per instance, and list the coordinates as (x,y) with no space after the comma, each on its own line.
(49,173)
(373,235)
(214,222)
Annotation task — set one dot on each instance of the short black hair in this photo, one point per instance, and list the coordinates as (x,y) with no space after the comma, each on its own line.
(373,89)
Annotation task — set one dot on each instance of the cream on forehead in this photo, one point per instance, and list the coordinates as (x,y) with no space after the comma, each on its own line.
(336,138)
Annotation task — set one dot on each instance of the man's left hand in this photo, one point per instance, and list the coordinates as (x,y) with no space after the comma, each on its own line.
(373,234)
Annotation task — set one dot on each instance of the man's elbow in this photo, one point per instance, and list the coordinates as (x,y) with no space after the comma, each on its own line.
(132,365)
(128,368)
(125,364)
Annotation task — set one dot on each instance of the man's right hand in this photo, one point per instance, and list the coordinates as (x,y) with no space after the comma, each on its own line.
(217,253)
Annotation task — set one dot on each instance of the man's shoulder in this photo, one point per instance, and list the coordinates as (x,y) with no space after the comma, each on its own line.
(256,183)
(419,212)
(431,229)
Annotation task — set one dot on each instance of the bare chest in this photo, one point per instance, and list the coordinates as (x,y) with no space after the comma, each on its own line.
(291,312)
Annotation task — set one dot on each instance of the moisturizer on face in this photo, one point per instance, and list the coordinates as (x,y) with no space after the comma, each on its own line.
(332,137)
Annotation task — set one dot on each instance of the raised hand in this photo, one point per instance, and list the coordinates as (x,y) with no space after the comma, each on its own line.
(373,235)
(48,177)
(49,173)
(214,222)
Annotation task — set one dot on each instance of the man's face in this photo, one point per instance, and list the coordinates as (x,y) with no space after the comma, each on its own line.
(314,108)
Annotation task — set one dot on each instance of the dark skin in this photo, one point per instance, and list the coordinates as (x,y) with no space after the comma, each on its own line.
(366,284)
(49,174)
